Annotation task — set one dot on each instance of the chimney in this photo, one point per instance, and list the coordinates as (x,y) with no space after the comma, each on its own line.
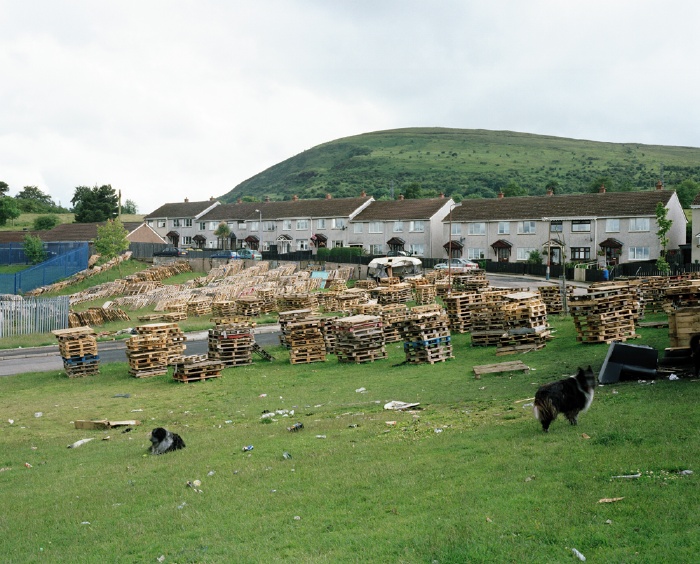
(295,198)
(363,194)
(500,195)
(328,197)
(187,200)
(238,201)
(442,195)
(267,198)
(659,185)
(601,190)
(211,198)
(550,192)
(400,196)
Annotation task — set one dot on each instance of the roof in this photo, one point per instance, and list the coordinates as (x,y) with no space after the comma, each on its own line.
(608,204)
(82,232)
(406,209)
(251,211)
(182,209)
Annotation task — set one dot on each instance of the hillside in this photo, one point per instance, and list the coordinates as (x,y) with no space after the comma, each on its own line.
(467,163)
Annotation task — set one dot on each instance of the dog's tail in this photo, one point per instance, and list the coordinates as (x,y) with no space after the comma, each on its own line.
(544,409)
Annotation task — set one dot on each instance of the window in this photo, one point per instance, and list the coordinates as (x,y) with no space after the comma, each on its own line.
(265,246)
(268,225)
(161,223)
(176,223)
(478,228)
(302,244)
(357,228)
(398,227)
(338,223)
(337,244)
(580,253)
(321,223)
(213,225)
(202,226)
(612,225)
(580,225)
(241,226)
(230,224)
(188,222)
(417,249)
(417,226)
(523,253)
(639,224)
(375,227)
(187,240)
(556,226)
(526,227)
(639,253)
(376,250)
(504,227)
(302,224)
(475,254)
(286,225)
(456,229)
(149,222)
(254,226)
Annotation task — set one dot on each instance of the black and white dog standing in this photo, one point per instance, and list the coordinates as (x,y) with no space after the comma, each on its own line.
(163,441)
(569,396)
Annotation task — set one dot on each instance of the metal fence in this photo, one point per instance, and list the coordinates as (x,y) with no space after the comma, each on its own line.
(47,272)
(13,253)
(33,315)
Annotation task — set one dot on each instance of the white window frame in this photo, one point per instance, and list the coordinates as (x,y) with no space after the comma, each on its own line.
(302,244)
(556,226)
(476,228)
(523,253)
(357,228)
(528,227)
(201,226)
(268,225)
(338,223)
(176,222)
(638,224)
(321,223)
(302,224)
(475,254)
(638,253)
(504,227)
(286,225)
(337,244)
(376,249)
(456,229)
(375,227)
(580,225)
(241,226)
(398,227)
(186,240)
(612,225)
(254,226)
(213,225)
(161,223)
(188,222)
(417,226)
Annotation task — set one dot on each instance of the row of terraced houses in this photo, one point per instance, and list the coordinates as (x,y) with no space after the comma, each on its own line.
(611,227)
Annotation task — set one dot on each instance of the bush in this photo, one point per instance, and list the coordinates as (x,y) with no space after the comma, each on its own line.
(45,222)
(339,254)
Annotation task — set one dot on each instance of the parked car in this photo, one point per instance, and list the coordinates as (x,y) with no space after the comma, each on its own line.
(225,255)
(397,254)
(457,265)
(249,254)
(170,252)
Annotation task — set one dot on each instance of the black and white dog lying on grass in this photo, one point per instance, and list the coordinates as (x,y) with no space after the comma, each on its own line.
(569,396)
(163,441)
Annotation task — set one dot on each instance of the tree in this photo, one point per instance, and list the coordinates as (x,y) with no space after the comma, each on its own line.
(534,257)
(96,204)
(8,209)
(32,200)
(45,222)
(111,240)
(664,225)
(4,188)
(413,191)
(34,249)
(130,207)
(687,190)
(222,232)
(513,189)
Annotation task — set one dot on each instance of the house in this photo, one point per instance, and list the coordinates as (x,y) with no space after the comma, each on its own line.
(413,226)
(178,222)
(614,227)
(83,232)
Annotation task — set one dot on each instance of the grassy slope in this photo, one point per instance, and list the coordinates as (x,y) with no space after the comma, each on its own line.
(491,487)
(26,220)
(466,162)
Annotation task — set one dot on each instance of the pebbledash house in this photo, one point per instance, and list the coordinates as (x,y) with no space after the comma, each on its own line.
(605,227)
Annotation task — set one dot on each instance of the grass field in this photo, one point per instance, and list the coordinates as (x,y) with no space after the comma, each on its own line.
(467,477)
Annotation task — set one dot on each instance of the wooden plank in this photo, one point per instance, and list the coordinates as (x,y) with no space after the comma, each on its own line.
(511,366)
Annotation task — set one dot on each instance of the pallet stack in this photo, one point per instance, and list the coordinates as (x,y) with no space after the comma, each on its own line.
(198,307)
(683,295)
(171,332)
(249,306)
(427,338)
(195,369)
(337,285)
(147,355)
(96,316)
(425,293)
(287,317)
(268,301)
(78,348)
(683,324)
(367,284)
(524,309)
(523,339)
(552,298)
(460,308)
(605,314)
(360,339)
(399,293)
(176,311)
(393,317)
(223,308)
(231,344)
(306,341)
(293,302)
(472,282)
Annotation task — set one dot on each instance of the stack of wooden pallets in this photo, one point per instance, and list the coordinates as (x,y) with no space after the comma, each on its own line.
(231,344)
(195,369)
(96,316)
(394,294)
(524,309)
(459,310)
(367,284)
(337,285)
(171,332)
(605,314)
(426,337)
(425,293)
(287,317)
(552,298)
(78,348)
(176,311)
(359,339)
(306,341)
(198,307)
(147,355)
(393,317)
(249,306)
(685,294)
(223,308)
(523,339)
(472,282)
(268,301)
(683,324)
(293,302)
(329,336)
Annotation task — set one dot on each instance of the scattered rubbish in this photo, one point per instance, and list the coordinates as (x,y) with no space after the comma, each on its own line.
(127,430)
(182,505)
(639,475)
(286,455)
(38,414)
(85,523)
(578,555)
(247,448)
(585,436)
(297,518)
(353,426)
(608,522)
(610,499)
(136,410)
(685,472)
(262,396)
(102,424)
(5,468)
(268,415)
(81,442)
(361,390)
(107,438)
(529,478)
(673,377)
(320,436)
(530,404)
(438,430)
(194,485)
(211,472)
(26,464)
(197,483)
(295,427)
(489,520)
(392,423)
(161,558)
(228,421)
(121,396)
(399,405)
(11,421)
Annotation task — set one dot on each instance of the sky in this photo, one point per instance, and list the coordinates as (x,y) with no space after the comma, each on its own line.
(170,99)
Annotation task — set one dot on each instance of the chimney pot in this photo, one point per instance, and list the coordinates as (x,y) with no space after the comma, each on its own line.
(442,195)
(400,196)
(363,194)
(238,201)
(295,198)
(550,192)
(328,197)
(267,198)
(187,200)
(659,185)
(601,190)
(500,195)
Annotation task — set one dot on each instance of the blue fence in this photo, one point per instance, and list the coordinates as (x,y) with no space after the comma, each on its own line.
(47,272)
(13,253)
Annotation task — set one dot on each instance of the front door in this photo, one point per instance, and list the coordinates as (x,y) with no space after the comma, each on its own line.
(503,254)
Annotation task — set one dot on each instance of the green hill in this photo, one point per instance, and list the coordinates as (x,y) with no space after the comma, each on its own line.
(467,163)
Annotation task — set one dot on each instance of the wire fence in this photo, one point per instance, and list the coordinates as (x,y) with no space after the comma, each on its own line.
(24,316)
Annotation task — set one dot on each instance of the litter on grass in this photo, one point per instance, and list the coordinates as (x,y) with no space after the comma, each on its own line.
(578,555)
(81,442)
(399,405)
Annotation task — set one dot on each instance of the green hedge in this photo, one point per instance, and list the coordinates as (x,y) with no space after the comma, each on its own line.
(339,254)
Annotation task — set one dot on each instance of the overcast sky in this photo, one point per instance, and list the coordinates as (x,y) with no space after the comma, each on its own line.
(167,100)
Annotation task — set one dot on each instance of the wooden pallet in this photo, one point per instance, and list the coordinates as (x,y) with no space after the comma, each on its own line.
(197,371)
(500,367)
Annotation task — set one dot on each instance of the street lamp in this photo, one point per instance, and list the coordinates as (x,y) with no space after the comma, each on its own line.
(260,245)
(449,252)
